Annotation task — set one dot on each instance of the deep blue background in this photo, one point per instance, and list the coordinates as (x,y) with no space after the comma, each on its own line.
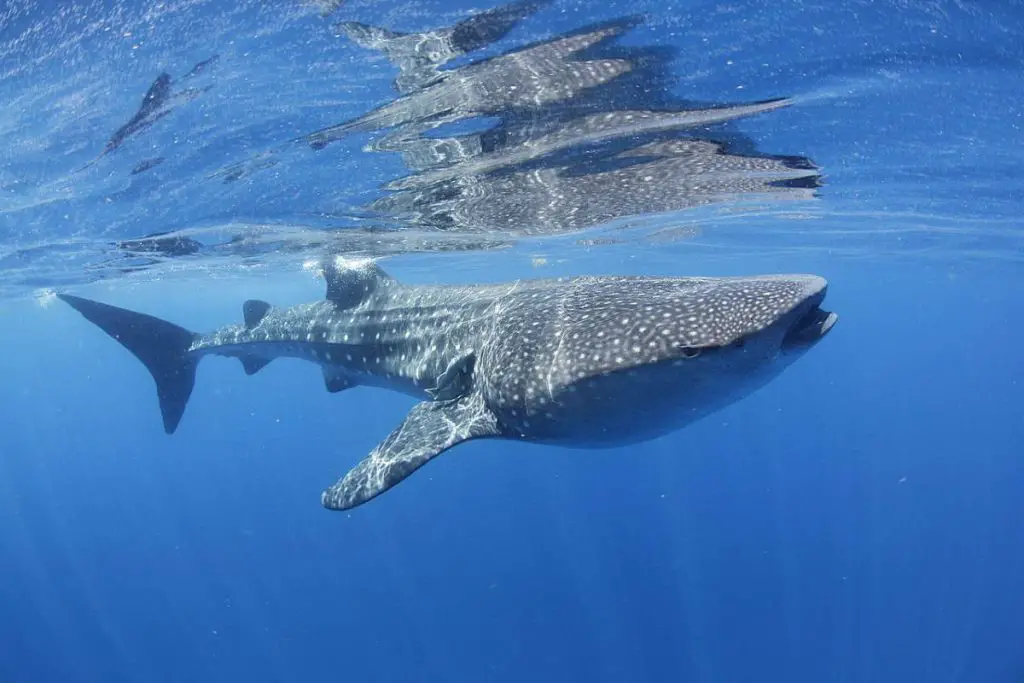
(859,519)
(856,520)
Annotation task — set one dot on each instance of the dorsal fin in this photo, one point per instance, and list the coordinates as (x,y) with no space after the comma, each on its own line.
(350,283)
(253,311)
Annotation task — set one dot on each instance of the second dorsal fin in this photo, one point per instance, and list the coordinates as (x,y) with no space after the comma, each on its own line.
(253,312)
(349,283)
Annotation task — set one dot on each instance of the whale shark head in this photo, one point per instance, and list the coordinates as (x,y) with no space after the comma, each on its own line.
(763,316)
(737,325)
(634,358)
(626,323)
(807,323)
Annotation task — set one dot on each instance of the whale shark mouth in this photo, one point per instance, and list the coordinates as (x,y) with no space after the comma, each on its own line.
(810,327)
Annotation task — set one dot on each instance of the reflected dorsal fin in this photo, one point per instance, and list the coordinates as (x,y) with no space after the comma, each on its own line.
(350,283)
(253,312)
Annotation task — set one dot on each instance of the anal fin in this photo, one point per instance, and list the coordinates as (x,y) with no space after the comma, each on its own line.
(428,430)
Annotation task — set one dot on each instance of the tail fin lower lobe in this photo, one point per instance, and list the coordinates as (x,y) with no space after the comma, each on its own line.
(161,346)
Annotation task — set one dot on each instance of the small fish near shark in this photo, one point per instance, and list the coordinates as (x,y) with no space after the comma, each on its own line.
(584,362)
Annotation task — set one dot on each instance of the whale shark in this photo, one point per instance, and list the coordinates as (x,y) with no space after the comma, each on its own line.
(581,362)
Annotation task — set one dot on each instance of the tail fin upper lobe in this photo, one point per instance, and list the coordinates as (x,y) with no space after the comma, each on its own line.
(161,346)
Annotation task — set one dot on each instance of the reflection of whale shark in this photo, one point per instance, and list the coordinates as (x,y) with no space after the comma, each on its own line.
(157,103)
(528,78)
(146,165)
(325,7)
(562,135)
(240,240)
(528,143)
(418,55)
(585,362)
(152,109)
(576,158)
(162,243)
(659,177)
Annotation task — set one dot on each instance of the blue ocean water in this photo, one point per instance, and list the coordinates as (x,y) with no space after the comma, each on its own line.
(857,519)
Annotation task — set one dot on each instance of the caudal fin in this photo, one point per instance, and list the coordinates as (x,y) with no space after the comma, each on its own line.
(161,346)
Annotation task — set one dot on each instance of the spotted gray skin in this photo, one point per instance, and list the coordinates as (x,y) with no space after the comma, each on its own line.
(419,55)
(667,176)
(463,156)
(583,362)
(524,79)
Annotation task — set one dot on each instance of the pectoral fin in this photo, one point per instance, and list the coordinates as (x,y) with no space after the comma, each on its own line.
(457,379)
(429,429)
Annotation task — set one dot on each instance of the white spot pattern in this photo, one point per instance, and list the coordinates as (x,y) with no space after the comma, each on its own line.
(533,341)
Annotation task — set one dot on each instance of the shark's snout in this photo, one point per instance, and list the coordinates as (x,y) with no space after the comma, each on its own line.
(811,323)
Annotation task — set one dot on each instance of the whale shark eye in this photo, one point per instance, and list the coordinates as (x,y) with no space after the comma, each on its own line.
(689,352)
(740,343)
